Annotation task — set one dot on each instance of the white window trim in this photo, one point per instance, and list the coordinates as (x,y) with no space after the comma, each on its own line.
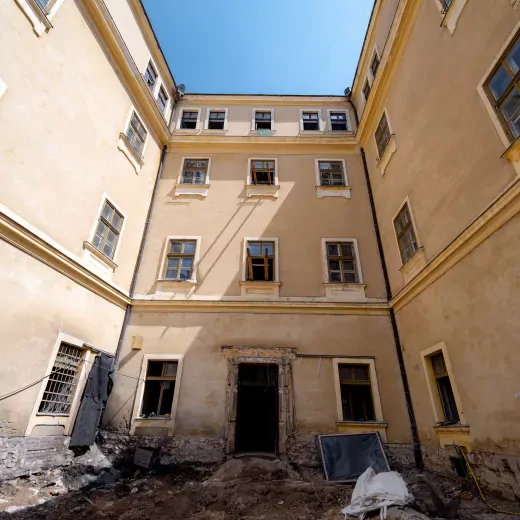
(179,119)
(329,122)
(376,398)
(193,189)
(430,382)
(255,190)
(40,18)
(169,423)
(206,121)
(374,53)
(391,146)
(331,191)
(161,275)
(325,264)
(158,84)
(243,277)
(451,17)
(320,120)
(67,421)
(367,80)
(255,110)
(128,150)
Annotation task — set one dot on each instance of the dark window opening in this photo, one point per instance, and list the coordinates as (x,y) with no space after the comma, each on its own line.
(262,173)
(189,120)
(257,408)
(159,388)
(382,135)
(263,120)
(366,90)
(374,65)
(405,234)
(260,261)
(447,398)
(341,261)
(311,121)
(216,120)
(356,393)
(338,121)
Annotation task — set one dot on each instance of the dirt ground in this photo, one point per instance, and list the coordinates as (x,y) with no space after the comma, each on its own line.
(241,489)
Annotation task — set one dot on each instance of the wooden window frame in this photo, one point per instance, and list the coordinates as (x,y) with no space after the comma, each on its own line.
(366,86)
(341,259)
(163,263)
(409,225)
(185,168)
(381,145)
(161,378)
(442,375)
(332,171)
(324,251)
(180,256)
(271,172)
(156,78)
(136,130)
(514,83)
(265,258)
(110,227)
(356,382)
(166,97)
(181,115)
(251,160)
(276,258)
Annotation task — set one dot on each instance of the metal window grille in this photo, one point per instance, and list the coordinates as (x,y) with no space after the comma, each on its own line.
(331,173)
(382,135)
(61,385)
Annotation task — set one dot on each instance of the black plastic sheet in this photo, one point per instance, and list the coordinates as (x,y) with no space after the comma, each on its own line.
(347,456)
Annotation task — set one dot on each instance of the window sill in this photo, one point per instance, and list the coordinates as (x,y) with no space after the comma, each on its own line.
(161,418)
(38,18)
(363,427)
(333,191)
(310,133)
(345,291)
(96,257)
(175,289)
(254,190)
(260,289)
(454,434)
(200,190)
(390,149)
(130,153)
(214,131)
(414,265)
(340,133)
(256,133)
(451,17)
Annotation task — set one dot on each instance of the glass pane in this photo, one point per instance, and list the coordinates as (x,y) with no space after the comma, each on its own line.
(97,240)
(185,274)
(349,277)
(176,247)
(107,212)
(170,369)
(190,164)
(337,179)
(171,274)
(361,373)
(334,265)
(254,248)
(499,82)
(513,58)
(154,368)
(117,221)
(449,405)
(202,164)
(324,165)
(258,164)
(345,372)
(167,397)
(173,263)
(511,104)
(438,364)
(187,263)
(332,249)
(335,276)
(189,248)
(267,248)
(348,265)
(108,250)
(346,250)
(325,179)
(111,238)
(200,177)
(187,177)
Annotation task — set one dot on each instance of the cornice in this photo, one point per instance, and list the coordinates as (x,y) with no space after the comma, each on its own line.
(28,242)
(261,307)
(97,14)
(265,100)
(500,211)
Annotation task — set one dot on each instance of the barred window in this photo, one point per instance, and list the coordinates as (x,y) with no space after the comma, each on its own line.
(61,385)
(262,172)
(382,135)
(331,173)
(159,388)
(263,120)
(356,392)
(108,230)
(405,234)
(341,262)
(136,133)
(189,119)
(180,259)
(311,121)
(195,171)
(260,261)
(216,120)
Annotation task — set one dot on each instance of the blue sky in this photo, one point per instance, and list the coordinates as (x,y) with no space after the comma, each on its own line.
(261,46)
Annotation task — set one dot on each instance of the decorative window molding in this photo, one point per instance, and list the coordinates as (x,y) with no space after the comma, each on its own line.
(91,253)
(346,426)
(166,421)
(260,289)
(199,189)
(384,139)
(347,120)
(262,131)
(180,122)
(135,131)
(450,11)
(340,290)
(259,189)
(178,288)
(321,127)
(209,111)
(332,190)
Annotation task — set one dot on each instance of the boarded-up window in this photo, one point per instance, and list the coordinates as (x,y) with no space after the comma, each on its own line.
(405,234)
(341,262)
(180,259)
(159,388)
(260,261)
(356,392)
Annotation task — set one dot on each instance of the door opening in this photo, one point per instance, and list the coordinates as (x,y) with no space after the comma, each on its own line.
(257,408)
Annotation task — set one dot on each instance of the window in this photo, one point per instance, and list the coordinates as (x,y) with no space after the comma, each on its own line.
(331,173)
(374,65)
(445,5)
(311,121)
(195,171)
(42,4)
(216,120)
(405,233)
(260,261)
(366,90)
(503,89)
(159,388)
(446,396)
(338,121)
(263,120)
(108,230)
(61,385)
(356,392)
(382,135)
(180,258)
(342,262)
(262,173)
(162,100)
(150,76)
(189,119)
(136,133)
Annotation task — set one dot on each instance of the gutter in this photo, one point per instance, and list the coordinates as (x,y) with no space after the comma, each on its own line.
(397,341)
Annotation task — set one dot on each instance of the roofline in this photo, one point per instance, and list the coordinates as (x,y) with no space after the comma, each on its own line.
(263,95)
(364,42)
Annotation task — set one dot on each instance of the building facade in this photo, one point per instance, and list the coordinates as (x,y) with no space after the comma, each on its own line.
(266,268)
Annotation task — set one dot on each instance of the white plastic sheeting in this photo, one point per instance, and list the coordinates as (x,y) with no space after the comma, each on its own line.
(379,491)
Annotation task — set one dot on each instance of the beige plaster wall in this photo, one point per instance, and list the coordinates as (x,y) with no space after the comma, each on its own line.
(297,218)
(38,303)
(448,158)
(199,337)
(60,121)
(473,308)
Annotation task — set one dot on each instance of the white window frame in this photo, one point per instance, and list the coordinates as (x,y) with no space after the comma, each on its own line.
(196,257)
(179,119)
(376,397)
(206,122)
(40,18)
(193,189)
(255,110)
(168,422)
(243,276)
(326,279)
(128,150)
(158,84)
(320,120)
(331,191)
(157,79)
(329,122)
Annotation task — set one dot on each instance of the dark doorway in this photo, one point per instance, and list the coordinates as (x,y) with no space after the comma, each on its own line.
(257,409)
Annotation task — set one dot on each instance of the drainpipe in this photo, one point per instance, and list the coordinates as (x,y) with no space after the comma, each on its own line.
(409,404)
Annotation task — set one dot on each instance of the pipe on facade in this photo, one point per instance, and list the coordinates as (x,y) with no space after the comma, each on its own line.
(128,310)
(397,341)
